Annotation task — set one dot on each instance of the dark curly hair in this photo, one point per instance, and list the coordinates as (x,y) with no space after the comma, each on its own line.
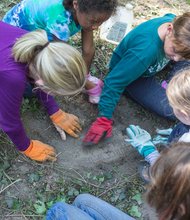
(88,6)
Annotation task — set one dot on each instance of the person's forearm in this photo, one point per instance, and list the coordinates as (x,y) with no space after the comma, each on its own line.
(108,101)
(122,73)
(88,57)
(10,120)
(88,48)
(47,101)
(17,135)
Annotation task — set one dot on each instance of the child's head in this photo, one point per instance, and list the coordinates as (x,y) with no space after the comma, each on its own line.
(59,66)
(91,14)
(169,191)
(178,93)
(177,41)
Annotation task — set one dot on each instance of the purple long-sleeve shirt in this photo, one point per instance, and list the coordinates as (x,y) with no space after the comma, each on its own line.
(13,80)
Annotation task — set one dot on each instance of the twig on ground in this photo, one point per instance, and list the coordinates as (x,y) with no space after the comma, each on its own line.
(10,180)
(24,216)
(18,180)
(78,174)
(20,215)
(109,189)
(117,185)
(91,184)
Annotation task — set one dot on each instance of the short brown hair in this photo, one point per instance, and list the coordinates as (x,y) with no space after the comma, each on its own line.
(170,183)
(181,29)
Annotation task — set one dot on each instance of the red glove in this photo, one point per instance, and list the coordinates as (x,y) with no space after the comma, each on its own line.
(100,129)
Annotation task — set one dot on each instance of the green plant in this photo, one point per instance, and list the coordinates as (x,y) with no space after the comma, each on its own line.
(30,105)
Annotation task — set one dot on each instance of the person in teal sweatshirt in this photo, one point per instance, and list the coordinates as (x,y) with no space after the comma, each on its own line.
(145,51)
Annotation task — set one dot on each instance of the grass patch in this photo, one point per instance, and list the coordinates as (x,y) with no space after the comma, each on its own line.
(49,183)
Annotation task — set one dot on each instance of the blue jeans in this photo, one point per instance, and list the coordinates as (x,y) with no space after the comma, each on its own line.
(28,93)
(149,93)
(178,131)
(86,207)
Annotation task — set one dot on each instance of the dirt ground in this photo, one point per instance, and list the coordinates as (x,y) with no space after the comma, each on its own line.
(73,154)
(106,156)
(114,153)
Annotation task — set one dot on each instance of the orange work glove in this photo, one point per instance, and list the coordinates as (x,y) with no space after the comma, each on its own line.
(67,122)
(39,151)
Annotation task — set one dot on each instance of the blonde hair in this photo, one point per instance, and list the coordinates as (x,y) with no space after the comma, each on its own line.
(170,183)
(59,65)
(178,91)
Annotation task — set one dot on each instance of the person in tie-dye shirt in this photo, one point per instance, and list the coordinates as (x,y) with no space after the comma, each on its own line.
(62,19)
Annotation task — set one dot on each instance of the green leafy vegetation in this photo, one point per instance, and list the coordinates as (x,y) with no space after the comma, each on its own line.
(28,188)
(30,105)
(30,193)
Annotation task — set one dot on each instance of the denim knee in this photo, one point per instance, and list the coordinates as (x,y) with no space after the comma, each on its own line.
(178,131)
(57,211)
(82,199)
(178,66)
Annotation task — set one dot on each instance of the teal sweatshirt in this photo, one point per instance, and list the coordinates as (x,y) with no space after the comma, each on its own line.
(140,54)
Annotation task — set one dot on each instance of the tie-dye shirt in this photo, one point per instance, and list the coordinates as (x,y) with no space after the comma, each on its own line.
(49,15)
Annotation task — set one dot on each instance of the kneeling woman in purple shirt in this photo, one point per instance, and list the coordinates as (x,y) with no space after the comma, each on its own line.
(52,68)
